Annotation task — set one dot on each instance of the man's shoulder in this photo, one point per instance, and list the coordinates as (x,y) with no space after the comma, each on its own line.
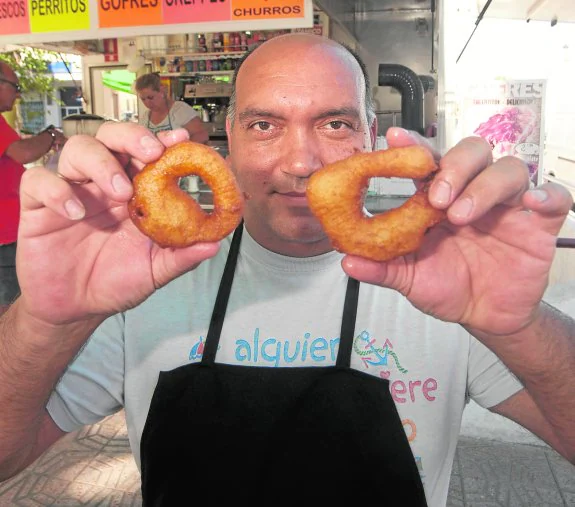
(5,126)
(7,135)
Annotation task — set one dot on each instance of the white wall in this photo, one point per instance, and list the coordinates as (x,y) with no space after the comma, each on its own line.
(108,100)
(512,49)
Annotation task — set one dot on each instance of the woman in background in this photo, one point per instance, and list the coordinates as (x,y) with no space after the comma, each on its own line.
(165,113)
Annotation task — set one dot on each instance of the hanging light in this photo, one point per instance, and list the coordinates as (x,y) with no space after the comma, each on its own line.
(136,63)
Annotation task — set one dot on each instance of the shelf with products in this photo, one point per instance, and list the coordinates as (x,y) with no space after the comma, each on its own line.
(197,73)
(201,45)
(207,64)
(190,55)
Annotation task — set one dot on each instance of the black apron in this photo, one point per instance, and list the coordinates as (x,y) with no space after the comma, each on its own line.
(270,436)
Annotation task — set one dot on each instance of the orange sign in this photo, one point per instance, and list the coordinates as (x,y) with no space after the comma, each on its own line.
(129,12)
(267,9)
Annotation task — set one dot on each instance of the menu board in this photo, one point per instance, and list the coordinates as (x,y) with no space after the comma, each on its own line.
(510,116)
(29,20)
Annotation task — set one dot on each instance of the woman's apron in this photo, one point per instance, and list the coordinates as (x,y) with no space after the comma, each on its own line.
(269,436)
(160,127)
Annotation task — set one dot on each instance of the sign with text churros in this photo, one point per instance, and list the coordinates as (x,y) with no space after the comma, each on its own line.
(265,9)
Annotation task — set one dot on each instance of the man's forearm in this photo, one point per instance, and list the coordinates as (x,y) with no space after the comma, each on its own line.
(32,359)
(31,149)
(543,358)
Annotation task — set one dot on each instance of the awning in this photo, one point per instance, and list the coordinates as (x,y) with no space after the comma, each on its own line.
(531,10)
(120,80)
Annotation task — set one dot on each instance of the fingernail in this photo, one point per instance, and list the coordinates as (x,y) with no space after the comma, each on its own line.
(74,209)
(404,131)
(539,195)
(170,136)
(149,144)
(441,192)
(120,184)
(462,208)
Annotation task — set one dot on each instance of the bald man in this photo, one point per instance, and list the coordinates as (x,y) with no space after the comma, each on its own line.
(270,368)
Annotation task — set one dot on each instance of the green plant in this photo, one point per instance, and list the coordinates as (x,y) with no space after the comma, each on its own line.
(31,66)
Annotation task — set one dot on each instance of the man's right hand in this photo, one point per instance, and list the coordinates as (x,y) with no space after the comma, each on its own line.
(79,254)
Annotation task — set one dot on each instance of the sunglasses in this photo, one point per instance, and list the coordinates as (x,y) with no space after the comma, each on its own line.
(16,86)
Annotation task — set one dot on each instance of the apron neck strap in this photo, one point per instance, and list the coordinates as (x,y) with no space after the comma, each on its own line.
(221,304)
(348,323)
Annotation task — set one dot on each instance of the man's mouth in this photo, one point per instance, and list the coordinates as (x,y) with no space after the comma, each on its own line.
(294,194)
(294,199)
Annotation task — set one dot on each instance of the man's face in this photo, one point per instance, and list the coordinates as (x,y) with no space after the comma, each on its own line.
(9,90)
(297,109)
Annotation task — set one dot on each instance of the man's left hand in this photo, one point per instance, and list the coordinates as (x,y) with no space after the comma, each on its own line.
(487,265)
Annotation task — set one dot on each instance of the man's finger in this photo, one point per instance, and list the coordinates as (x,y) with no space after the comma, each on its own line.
(102,167)
(42,188)
(397,137)
(171,137)
(457,168)
(130,138)
(503,182)
(550,204)
(168,138)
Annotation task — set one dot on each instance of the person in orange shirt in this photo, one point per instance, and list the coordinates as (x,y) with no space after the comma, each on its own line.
(14,153)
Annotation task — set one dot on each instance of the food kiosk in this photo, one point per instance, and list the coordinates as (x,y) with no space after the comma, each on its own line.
(144,35)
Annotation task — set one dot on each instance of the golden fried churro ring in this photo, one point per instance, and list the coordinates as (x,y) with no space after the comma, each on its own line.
(336,195)
(172,218)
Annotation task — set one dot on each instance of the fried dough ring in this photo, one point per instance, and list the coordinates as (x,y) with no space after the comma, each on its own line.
(336,192)
(168,215)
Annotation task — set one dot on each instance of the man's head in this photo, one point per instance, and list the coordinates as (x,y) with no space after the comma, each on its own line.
(369,104)
(9,87)
(300,102)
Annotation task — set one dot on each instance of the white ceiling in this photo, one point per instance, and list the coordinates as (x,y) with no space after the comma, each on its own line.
(536,10)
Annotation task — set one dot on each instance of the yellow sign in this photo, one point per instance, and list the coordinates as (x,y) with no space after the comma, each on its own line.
(58,15)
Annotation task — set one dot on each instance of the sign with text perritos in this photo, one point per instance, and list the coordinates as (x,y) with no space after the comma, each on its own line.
(24,21)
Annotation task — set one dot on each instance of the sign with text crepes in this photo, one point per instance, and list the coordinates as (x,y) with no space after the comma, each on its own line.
(98,18)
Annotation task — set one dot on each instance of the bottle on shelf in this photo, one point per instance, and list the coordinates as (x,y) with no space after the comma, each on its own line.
(192,37)
(218,42)
(234,41)
(202,43)
(210,42)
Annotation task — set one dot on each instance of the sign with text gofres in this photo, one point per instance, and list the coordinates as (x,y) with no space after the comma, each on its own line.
(30,17)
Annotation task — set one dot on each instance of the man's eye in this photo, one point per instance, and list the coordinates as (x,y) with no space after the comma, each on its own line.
(261,125)
(337,124)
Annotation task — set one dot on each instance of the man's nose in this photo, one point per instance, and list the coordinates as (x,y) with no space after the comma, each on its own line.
(302,154)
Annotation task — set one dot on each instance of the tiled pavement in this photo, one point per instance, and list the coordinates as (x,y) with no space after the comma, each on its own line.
(94,467)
